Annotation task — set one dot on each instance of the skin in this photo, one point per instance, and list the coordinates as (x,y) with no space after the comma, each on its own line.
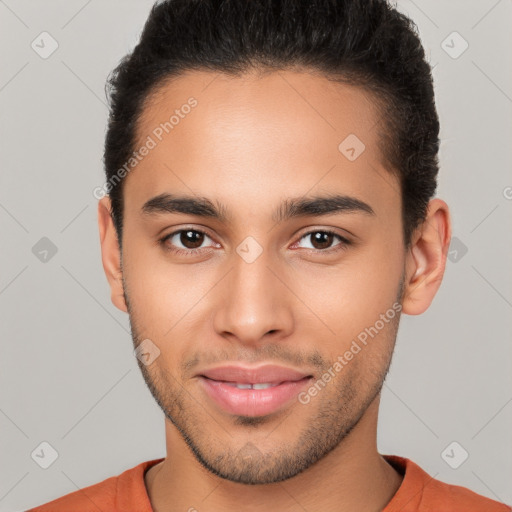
(251,143)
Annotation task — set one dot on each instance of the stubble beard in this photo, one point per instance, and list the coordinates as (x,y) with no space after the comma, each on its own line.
(337,416)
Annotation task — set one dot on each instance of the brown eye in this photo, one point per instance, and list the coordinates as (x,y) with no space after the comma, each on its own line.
(191,239)
(185,241)
(323,240)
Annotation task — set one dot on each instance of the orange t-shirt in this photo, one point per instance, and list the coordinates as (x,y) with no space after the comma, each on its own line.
(419,492)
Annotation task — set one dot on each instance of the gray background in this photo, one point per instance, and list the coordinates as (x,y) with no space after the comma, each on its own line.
(68,373)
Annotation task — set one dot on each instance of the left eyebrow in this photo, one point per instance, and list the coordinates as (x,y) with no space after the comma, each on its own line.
(320,205)
(290,208)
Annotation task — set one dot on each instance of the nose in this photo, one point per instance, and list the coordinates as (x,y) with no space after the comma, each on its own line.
(254,304)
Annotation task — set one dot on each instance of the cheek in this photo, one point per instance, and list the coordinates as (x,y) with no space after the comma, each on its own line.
(164,297)
(349,298)
(337,300)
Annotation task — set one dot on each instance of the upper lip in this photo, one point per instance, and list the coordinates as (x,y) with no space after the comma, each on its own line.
(268,373)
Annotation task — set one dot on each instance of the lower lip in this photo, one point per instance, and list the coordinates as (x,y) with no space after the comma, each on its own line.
(252,402)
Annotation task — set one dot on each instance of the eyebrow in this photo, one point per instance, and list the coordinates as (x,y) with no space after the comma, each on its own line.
(290,208)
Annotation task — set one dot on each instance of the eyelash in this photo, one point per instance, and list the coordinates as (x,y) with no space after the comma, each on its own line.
(344,242)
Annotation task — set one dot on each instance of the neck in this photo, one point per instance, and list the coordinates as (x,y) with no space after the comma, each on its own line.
(353,476)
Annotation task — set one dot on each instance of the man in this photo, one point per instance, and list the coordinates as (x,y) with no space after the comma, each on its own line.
(270,171)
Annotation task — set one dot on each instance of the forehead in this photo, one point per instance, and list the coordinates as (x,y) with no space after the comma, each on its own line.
(237,138)
(272,99)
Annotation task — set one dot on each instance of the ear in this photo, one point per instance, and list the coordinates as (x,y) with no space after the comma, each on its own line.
(426,259)
(110,253)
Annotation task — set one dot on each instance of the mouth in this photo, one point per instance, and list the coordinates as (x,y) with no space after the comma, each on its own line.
(246,391)
(262,385)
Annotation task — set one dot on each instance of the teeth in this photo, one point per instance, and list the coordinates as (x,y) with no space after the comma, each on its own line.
(262,385)
(243,386)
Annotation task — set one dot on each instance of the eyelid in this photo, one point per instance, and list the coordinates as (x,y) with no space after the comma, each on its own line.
(344,241)
(201,230)
(344,234)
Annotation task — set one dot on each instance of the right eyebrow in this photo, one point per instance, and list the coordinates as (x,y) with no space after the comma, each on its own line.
(188,205)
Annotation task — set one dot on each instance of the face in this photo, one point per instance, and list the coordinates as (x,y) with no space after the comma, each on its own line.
(244,290)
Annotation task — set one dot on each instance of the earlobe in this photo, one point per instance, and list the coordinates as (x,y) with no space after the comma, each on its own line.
(110,253)
(426,260)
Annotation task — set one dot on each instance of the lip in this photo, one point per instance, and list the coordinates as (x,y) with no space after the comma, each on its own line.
(254,375)
(218,386)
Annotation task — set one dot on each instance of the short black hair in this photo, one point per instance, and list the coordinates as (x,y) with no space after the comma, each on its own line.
(367,43)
